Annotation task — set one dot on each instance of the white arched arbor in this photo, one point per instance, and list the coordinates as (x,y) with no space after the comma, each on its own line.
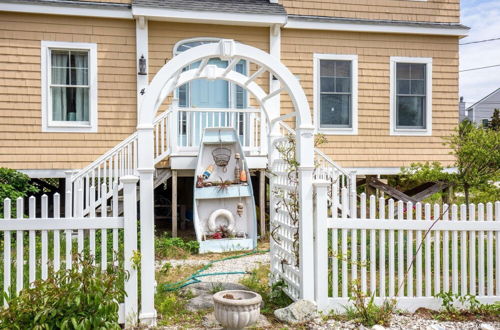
(170,77)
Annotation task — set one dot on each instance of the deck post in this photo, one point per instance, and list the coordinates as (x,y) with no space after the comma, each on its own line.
(146,184)
(305,157)
(68,187)
(174,203)
(321,244)
(262,203)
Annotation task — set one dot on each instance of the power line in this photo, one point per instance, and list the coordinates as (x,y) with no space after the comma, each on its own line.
(479,41)
(480,68)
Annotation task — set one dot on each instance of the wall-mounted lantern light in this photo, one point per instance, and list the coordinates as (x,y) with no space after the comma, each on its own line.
(142,66)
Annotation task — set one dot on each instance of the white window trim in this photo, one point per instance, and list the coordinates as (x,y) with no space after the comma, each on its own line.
(392,103)
(354,90)
(68,127)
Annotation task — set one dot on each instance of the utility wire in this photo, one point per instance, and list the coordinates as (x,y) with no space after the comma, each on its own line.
(479,41)
(480,68)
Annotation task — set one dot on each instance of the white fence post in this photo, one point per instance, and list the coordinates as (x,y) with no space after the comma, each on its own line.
(130,246)
(321,244)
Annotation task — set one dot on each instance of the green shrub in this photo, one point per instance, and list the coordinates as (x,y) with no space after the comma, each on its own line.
(174,247)
(469,307)
(70,299)
(365,311)
(274,296)
(14,184)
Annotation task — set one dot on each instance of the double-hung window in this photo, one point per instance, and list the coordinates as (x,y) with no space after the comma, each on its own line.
(411,96)
(69,91)
(335,90)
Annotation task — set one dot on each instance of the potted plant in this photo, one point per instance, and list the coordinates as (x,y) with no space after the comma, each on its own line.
(237,309)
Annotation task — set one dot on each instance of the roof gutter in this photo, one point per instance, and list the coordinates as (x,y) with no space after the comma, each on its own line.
(207,17)
(70,8)
(353,25)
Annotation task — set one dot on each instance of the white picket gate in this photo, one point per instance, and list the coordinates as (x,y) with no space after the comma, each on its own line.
(409,252)
(58,235)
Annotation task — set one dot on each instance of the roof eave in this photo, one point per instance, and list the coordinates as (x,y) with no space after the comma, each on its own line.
(207,17)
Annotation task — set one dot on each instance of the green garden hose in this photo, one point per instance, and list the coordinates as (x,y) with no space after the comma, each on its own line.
(192,279)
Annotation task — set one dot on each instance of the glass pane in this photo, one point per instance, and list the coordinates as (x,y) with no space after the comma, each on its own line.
(327,68)
(343,85)
(335,110)
(403,86)
(417,71)
(342,68)
(79,59)
(418,87)
(402,70)
(60,76)
(70,104)
(60,58)
(183,95)
(410,111)
(79,76)
(327,84)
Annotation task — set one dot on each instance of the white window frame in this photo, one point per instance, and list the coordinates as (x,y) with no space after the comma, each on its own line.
(48,125)
(427,131)
(317,94)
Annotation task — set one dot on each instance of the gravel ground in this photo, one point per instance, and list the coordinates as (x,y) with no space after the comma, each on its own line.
(404,322)
(399,322)
(233,265)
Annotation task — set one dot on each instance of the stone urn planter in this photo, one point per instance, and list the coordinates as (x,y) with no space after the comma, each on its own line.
(237,309)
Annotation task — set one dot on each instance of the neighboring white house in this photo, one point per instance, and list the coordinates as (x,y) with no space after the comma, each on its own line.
(481,111)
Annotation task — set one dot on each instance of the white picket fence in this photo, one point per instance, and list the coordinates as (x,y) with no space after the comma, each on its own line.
(409,252)
(53,241)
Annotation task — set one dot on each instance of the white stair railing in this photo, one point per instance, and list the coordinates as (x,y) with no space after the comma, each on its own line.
(119,161)
(327,169)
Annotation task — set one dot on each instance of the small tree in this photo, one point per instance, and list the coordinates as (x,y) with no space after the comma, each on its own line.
(477,160)
(494,123)
(477,156)
(14,184)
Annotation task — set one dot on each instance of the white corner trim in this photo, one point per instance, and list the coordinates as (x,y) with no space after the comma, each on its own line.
(208,17)
(53,9)
(316,94)
(303,24)
(392,96)
(68,127)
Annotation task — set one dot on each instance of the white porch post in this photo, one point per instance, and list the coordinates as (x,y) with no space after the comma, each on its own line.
(141,45)
(146,171)
(305,157)
(273,104)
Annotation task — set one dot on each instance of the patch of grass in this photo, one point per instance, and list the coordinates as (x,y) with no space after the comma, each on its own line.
(174,247)
(365,311)
(171,306)
(273,295)
(469,308)
(216,287)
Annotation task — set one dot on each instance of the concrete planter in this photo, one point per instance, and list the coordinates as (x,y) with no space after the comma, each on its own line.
(237,309)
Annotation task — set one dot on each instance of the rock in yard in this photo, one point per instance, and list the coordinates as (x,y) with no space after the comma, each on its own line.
(486,326)
(200,302)
(378,327)
(299,312)
(203,292)
(435,327)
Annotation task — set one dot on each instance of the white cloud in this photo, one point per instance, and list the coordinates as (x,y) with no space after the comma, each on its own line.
(483,17)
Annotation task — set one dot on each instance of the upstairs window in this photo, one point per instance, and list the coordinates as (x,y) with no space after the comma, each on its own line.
(336,93)
(69,87)
(411,96)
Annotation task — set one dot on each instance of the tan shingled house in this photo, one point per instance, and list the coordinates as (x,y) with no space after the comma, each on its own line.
(381,76)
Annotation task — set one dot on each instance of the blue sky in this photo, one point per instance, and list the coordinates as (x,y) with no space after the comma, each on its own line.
(483,17)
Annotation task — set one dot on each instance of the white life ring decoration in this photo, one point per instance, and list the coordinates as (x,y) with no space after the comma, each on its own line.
(221,213)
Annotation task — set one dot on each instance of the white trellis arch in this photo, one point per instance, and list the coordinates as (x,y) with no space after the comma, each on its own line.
(171,76)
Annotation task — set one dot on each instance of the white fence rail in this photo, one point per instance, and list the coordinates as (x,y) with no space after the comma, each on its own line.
(410,252)
(52,242)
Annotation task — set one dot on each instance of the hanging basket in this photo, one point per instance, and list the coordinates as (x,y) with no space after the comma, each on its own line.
(221,156)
